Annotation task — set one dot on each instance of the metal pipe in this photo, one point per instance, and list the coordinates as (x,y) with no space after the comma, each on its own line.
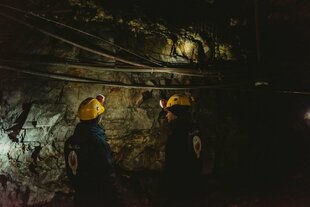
(65,77)
(178,71)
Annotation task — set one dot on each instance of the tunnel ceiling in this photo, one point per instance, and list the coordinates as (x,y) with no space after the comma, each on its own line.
(192,36)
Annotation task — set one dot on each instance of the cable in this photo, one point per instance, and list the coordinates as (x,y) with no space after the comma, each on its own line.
(82,32)
(84,80)
(178,71)
(98,38)
(75,44)
(69,78)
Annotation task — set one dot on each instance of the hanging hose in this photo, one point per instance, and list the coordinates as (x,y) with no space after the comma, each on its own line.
(69,78)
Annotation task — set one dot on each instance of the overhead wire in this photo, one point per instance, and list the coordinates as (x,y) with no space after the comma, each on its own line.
(177,71)
(142,67)
(82,32)
(75,44)
(112,84)
(83,80)
(64,77)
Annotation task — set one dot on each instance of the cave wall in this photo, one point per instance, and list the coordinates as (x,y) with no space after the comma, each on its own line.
(37,115)
(252,138)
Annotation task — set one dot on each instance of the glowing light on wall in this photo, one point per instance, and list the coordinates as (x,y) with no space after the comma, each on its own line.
(307,116)
(188,47)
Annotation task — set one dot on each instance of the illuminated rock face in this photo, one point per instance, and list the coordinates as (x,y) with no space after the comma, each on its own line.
(38,115)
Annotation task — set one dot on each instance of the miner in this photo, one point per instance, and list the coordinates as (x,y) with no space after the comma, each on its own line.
(183,155)
(89,162)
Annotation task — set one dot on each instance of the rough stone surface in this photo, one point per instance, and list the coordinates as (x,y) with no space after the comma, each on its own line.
(38,114)
(35,123)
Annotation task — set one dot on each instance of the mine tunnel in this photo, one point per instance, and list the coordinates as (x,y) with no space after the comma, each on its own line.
(243,65)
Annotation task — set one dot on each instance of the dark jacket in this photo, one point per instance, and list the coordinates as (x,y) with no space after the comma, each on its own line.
(90,168)
(182,173)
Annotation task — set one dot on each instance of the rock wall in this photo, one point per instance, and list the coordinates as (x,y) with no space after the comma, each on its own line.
(252,138)
(37,115)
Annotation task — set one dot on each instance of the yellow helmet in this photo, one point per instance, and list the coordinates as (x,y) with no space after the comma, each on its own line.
(178,99)
(90,109)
